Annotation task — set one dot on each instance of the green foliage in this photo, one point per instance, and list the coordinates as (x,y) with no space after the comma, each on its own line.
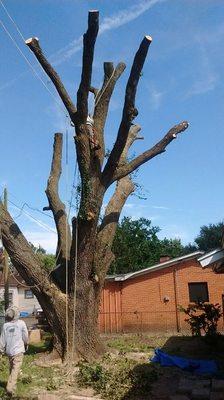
(119,379)
(203,318)
(94,375)
(136,245)
(48,260)
(37,250)
(210,236)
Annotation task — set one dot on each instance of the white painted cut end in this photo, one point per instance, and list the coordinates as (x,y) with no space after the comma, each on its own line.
(28,41)
(93,11)
(149,38)
(174,135)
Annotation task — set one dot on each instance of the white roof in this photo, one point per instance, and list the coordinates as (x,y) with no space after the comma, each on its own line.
(156,267)
(211,257)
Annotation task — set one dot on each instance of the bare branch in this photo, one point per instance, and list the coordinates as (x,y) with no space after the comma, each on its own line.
(33,44)
(129,110)
(132,136)
(55,204)
(157,149)
(89,39)
(102,101)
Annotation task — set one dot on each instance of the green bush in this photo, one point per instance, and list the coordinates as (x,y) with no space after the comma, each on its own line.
(203,318)
(119,379)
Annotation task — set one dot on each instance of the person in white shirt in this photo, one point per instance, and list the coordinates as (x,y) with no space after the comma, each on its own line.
(13,343)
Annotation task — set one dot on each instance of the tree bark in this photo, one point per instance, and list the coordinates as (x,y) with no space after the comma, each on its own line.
(70,296)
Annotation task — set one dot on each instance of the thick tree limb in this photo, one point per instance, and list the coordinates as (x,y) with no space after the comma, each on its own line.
(26,262)
(102,101)
(124,187)
(104,255)
(129,110)
(56,205)
(157,149)
(33,44)
(89,39)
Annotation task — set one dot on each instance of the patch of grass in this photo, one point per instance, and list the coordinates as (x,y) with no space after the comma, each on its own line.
(32,376)
(118,379)
(134,343)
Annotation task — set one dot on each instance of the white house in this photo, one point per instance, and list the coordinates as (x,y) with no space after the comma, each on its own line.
(20,295)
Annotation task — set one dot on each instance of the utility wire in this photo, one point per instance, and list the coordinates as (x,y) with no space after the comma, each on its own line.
(25,58)
(30,216)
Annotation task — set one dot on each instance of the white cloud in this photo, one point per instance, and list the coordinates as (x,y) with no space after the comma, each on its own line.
(161,207)
(203,85)
(129,205)
(156,98)
(174,232)
(139,214)
(205,79)
(108,23)
(47,240)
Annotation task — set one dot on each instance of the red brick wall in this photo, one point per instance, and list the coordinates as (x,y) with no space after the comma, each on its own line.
(138,304)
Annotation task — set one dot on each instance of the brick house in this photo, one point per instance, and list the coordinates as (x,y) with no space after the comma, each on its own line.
(149,300)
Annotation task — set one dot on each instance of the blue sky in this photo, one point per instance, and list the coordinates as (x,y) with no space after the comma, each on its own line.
(182,80)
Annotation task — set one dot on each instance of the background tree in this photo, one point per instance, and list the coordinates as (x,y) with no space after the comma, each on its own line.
(136,246)
(209,238)
(48,260)
(70,297)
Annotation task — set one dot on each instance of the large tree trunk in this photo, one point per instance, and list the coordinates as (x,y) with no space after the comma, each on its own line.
(70,295)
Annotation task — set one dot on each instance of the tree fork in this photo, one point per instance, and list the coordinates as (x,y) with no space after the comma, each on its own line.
(92,254)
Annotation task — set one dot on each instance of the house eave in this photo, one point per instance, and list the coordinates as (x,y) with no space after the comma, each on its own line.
(153,268)
(212,257)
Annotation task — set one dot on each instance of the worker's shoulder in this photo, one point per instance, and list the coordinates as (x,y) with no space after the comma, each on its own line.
(21,322)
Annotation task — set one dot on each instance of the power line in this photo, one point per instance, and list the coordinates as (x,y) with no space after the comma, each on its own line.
(30,216)
(25,58)
(12,20)
(29,206)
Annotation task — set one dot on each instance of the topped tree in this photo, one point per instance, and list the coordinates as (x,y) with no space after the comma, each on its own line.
(70,296)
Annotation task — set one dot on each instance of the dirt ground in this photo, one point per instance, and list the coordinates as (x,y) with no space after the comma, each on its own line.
(55,381)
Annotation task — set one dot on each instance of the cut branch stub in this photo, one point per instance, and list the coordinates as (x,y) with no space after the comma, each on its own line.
(157,149)
(129,111)
(33,44)
(89,39)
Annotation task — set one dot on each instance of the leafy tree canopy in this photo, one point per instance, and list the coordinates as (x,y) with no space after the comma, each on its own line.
(136,245)
(210,236)
(48,260)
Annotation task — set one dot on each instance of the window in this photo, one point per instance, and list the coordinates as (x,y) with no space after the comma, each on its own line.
(28,294)
(10,298)
(198,291)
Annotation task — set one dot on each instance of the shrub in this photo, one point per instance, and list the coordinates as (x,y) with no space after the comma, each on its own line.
(119,379)
(203,318)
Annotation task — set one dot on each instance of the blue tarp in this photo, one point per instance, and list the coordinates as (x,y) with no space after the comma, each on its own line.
(199,367)
(24,314)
